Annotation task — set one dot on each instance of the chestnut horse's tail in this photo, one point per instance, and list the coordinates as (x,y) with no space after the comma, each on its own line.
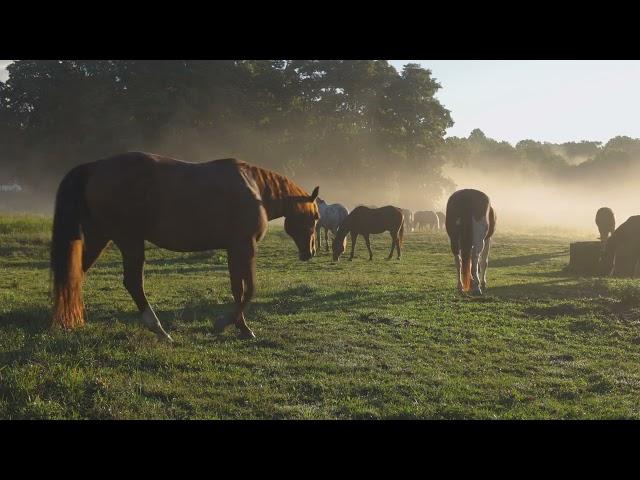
(466,243)
(67,248)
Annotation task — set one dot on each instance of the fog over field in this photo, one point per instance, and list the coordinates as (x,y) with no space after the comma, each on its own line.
(371,132)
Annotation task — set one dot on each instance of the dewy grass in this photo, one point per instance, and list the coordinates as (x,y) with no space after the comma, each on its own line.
(356,340)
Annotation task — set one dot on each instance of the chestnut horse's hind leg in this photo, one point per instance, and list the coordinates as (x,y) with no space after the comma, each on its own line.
(484,263)
(94,244)
(242,272)
(133,261)
(366,240)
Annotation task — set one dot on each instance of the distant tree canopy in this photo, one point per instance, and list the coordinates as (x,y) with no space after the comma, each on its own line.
(355,122)
(575,162)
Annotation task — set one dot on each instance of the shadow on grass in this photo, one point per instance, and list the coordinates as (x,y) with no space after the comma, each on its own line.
(29,319)
(526,259)
(560,287)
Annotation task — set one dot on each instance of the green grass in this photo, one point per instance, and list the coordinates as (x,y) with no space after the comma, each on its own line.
(358,340)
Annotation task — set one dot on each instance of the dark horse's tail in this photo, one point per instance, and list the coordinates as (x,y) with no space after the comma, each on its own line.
(466,243)
(67,249)
(401,233)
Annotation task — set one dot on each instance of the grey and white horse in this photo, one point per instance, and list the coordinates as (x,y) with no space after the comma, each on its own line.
(331,216)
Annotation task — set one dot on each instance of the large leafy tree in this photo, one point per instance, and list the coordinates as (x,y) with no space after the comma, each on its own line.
(350,123)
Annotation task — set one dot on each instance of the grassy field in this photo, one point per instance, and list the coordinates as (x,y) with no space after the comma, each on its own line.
(354,340)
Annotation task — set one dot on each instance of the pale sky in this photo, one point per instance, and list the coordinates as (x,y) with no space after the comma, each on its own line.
(545,100)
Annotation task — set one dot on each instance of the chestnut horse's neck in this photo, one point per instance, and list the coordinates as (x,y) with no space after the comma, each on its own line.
(280,195)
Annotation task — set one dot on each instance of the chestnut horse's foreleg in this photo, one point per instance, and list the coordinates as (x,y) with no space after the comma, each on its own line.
(479,232)
(242,272)
(484,263)
(354,237)
(366,240)
(133,261)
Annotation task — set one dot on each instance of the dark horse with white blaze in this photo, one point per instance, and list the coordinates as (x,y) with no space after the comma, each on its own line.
(606,222)
(470,222)
(621,254)
(179,206)
(365,221)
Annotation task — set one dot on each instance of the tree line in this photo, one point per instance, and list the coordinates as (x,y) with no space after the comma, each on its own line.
(356,124)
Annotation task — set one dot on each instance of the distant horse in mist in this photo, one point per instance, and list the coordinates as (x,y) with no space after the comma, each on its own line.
(408,219)
(179,206)
(470,223)
(426,219)
(606,222)
(331,216)
(621,254)
(442,219)
(365,221)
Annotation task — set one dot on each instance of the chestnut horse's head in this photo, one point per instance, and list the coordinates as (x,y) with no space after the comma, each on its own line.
(300,223)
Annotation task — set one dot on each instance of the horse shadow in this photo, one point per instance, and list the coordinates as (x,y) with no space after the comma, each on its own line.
(526,259)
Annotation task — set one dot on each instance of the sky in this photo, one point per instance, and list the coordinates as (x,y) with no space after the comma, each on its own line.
(546,100)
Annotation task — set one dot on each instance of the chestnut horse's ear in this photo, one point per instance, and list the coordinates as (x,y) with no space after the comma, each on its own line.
(314,195)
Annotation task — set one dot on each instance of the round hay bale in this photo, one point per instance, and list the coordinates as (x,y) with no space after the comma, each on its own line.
(584,257)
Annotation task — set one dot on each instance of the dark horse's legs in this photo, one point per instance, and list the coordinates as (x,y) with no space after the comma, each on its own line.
(242,271)
(133,262)
(366,239)
(354,237)
(394,242)
(326,238)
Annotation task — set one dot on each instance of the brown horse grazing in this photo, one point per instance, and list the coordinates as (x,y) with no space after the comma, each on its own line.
(606,222)
(426,219)
(365,221)
(470,222)
(179,206)
(622,250)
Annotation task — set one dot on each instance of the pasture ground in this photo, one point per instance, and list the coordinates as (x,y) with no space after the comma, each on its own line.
(354,340)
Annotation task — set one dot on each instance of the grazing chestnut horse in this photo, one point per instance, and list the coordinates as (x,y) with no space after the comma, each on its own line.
(606,222)
(622,250)
(365,221)
(179,206)
(470,223)
(426,219)
(442,219)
